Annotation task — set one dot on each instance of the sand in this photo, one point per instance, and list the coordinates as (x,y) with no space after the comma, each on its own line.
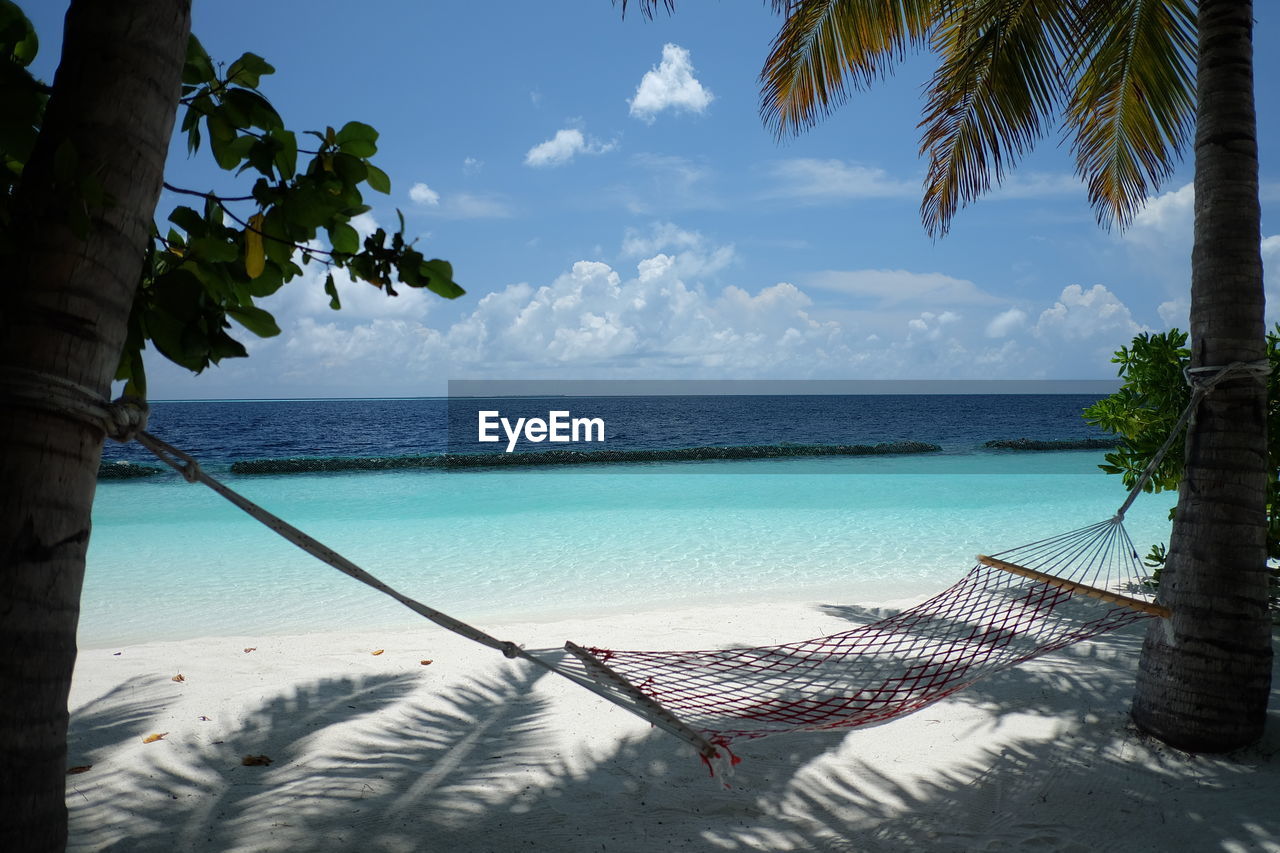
(472,752)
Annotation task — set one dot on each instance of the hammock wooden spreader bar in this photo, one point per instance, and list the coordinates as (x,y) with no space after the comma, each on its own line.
(646,706)
(1074,587)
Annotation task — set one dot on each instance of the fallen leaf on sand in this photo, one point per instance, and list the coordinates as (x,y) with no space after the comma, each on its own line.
(251,649)
(178,677)
(255,761)
(83,768)
(427,662)
(154,738)
(377,651)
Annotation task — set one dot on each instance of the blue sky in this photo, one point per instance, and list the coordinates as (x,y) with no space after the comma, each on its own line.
(615,208)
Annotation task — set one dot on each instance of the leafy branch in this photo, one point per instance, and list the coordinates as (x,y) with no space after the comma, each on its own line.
(211,262)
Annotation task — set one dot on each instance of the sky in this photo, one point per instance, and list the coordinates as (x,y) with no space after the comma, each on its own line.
(615,208)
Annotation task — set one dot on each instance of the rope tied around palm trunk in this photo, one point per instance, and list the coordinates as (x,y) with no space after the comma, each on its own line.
(1202,381)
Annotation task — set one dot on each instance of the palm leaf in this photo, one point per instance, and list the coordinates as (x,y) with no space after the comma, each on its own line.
(827,46)
(1133,103)
(998,83)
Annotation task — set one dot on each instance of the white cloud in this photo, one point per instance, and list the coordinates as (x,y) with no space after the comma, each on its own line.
(661,236)
(670,85)
(563,147)
(690,257)
(420,193)
(815,180)
(1006,323)
(1081,314)
(664,318)
(1175,313)
(893,287)
(1165,223)
(471,166)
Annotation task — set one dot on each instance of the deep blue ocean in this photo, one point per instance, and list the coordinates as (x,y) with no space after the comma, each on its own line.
(219,433)
(171,560)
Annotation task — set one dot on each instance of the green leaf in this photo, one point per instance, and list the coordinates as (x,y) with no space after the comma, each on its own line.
(357,139)
(255,319)
(332,290)
(378,179)
(253,109)
(188,220)
(286,153)
(351,169)
(18,39)
(198,67)
(344,238)
(215,249)
(440,280)
(246,70)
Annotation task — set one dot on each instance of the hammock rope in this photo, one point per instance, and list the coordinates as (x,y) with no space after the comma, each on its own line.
(1011,607)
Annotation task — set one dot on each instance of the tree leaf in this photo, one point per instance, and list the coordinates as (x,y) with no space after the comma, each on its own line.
(332,290)
(18,41)
(255,319)
(255,255)
(378,179)
(198,67)
(357,139)
(344,238)
(215,249)
(247,70)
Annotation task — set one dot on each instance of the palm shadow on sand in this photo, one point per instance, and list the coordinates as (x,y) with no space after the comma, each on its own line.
(476,768)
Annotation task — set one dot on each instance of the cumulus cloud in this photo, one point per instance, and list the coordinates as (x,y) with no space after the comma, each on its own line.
(1081,314)
(670,86)
(471,165)
(1165,222)
(660,236)
(420,193)
(826,180)
(1006,323)
(661,314)
(563,147)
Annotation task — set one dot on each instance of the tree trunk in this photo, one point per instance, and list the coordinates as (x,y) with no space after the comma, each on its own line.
(65,303)
(1203,686)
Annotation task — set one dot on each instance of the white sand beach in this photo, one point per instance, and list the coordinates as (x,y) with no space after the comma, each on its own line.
(472,752)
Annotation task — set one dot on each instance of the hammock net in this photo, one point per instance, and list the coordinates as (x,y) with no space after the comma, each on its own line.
(991,620)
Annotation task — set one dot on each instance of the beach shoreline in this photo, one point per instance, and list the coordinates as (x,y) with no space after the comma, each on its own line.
(471,751)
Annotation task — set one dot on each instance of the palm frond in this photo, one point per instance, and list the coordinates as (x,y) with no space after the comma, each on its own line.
(1133,103)
(824,47)
(998,83)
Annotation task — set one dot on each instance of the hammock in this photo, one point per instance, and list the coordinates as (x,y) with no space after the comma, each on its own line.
(1008,609)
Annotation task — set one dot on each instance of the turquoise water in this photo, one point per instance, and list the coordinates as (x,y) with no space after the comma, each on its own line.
(169,560)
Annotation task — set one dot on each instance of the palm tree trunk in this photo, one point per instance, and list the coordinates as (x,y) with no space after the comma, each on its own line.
(64,305)
(1204,680)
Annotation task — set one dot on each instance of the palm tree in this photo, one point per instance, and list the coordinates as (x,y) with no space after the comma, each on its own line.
(62,323)
(1128,79)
